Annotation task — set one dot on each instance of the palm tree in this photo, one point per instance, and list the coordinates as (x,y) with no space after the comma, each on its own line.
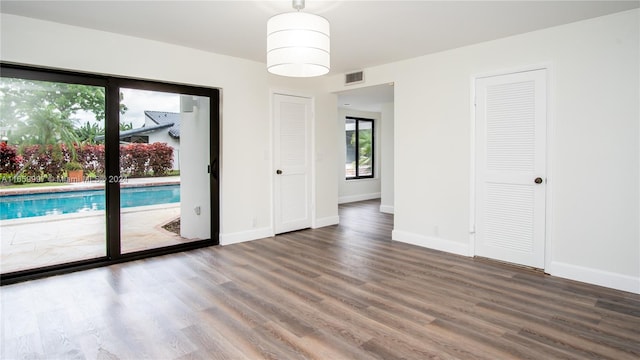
(41,112)
(126,126)
(46,126)
(88,132)
(364,138)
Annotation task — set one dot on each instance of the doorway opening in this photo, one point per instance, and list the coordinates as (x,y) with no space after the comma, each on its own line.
(370,110)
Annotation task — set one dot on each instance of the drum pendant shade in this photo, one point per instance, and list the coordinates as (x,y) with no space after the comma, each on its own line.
(298,45)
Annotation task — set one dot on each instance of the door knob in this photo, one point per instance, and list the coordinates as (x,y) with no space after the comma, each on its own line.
(278,171)
(538,180)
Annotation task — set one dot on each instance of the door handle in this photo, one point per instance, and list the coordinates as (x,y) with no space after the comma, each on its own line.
(213,169)
(538,180)
(278,171)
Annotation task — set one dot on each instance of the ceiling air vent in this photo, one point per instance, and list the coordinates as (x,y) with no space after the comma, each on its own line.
(354,78)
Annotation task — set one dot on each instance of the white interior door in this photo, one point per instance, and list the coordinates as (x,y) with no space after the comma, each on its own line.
(511,117)
(292,161)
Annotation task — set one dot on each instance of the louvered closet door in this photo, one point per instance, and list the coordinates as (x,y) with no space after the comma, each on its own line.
(510,167)
(292,160)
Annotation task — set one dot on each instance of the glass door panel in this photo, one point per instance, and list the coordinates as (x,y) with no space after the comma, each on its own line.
(52,173)
(365,148)
(164,182)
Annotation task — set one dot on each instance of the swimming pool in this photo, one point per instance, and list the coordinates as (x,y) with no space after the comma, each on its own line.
(31,205)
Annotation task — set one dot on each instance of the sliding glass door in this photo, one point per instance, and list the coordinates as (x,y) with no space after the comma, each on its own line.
(52,193)
(96,170)
(164,177)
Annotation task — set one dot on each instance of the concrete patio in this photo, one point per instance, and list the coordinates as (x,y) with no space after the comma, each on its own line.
(55,239)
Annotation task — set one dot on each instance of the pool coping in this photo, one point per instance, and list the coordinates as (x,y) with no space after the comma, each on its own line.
(80,215)
(91,185)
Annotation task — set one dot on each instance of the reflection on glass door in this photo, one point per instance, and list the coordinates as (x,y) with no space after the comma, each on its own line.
(164,182)
(52,173)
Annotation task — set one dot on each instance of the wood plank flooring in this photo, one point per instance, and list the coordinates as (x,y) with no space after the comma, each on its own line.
(340,292)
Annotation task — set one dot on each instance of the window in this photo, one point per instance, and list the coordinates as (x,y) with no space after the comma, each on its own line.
(138,139)
(360,141)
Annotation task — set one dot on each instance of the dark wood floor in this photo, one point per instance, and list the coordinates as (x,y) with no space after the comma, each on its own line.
(340,292)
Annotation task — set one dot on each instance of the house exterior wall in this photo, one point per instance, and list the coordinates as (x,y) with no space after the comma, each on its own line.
(195,209)
(162,136)
(593,233)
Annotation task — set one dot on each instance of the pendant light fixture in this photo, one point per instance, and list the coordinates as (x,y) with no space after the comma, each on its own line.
(298,44)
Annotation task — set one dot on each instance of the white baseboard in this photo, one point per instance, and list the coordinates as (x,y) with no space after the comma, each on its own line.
(326,221)
(242,236)
(360,197)
(431,242)
(387,209)
(594,276)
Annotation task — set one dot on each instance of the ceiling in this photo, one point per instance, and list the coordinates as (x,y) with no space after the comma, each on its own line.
(363,33)
(368,98)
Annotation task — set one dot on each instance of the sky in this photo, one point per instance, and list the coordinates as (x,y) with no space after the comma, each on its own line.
(137,101)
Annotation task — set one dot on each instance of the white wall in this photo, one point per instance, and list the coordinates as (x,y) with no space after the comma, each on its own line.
(386,158)
(326,149)
(594,155)
(325,144)
(358,189)
(246,164)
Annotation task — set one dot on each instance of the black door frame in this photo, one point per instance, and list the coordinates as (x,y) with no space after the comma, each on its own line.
(112,85)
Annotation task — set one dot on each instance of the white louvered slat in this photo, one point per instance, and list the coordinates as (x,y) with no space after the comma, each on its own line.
(292,135)
(509,216)
(511,126)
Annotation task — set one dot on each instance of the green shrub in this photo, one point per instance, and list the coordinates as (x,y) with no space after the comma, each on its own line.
(6,178)
(72,166)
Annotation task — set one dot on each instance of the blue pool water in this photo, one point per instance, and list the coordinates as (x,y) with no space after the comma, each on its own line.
(23,206)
